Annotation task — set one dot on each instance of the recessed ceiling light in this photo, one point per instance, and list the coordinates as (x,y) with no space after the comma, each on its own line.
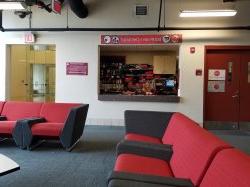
(208,13)
(12,5)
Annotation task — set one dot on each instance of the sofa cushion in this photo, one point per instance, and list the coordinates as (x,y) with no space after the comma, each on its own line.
(193,148)
(142,165)
(1,106)
(6,127)
(47,129)
(15,110)
(142,138)
(56,112)
(230,167)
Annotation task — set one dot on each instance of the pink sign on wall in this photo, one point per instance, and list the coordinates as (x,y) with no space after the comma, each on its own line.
(76,68)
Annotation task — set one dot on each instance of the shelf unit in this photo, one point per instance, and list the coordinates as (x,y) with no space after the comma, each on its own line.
(111,80)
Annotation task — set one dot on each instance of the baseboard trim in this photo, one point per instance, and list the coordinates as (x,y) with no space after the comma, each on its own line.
(105,122)
(220,125)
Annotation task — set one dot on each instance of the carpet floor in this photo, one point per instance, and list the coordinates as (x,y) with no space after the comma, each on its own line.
(237,138)
(88,165)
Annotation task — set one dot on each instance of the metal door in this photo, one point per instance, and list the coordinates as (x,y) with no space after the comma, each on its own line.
(222,89)
(244,96)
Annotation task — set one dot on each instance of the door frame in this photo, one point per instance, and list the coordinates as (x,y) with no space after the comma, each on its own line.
(217,48)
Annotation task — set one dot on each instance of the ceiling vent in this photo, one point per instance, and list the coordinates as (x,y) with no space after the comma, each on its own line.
(141,10)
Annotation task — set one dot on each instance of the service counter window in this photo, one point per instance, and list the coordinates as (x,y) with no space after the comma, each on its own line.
(138,74)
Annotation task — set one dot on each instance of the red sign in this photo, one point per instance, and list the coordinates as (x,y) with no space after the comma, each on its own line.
(76,68)
(56,6)
(217,73)
(29,38)
(216,86)
(141,39)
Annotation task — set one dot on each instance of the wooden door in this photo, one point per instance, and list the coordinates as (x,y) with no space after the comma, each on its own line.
(19,85)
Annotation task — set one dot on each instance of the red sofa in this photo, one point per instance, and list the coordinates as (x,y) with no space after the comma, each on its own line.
(14,111)
(29,122)
(230,167)
(178,156)
(1,106)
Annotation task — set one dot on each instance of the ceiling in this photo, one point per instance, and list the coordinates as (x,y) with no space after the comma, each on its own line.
(120,14)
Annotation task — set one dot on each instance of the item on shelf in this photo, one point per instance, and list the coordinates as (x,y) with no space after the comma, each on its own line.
(111,76)
(116,77)
(148,88)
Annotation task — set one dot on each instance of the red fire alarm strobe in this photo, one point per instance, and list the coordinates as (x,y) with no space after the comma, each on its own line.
(192,50)
(29,38)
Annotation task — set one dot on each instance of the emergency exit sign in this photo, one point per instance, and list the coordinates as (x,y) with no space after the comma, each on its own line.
(29,38)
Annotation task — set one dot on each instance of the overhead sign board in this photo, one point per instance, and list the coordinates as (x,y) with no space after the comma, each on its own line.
(140,39)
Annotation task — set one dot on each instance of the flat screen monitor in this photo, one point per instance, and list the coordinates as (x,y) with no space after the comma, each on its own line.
(170,83)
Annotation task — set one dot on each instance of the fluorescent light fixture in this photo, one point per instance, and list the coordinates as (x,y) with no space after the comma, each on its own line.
(12,5)
(208,13)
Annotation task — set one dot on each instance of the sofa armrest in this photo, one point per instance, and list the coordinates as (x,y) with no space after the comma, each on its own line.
(31,121)
(160,151)
(74,126)
(22,134)
(149,123)
(3,118)
(124,179)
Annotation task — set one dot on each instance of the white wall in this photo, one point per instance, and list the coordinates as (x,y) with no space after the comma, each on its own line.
(83,47)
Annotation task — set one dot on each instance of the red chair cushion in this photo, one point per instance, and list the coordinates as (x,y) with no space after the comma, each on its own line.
(142,138)
(193,148)
(142,165)
(47,129)
(15,110)
(229,168)
(1,106)
(6,127)
(56,112)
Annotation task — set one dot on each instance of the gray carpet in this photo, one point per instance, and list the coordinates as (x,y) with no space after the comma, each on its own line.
(237,138)
(88,165)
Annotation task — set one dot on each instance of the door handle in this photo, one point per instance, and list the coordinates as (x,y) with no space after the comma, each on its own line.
(234,96)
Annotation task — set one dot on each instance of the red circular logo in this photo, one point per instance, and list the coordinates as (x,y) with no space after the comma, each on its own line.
(216,86)
(217,73)
(175,38)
